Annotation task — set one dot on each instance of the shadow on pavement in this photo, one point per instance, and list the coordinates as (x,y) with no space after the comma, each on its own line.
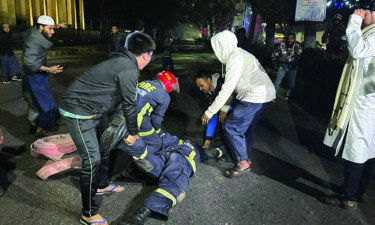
(289,174)
(7,167)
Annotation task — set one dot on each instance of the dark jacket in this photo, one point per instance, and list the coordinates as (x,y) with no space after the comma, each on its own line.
(243,43)
(35,51)
(116,42)
(219,84)
(104,87)
(167,46)
(6,42)
(287,57)
(333,38)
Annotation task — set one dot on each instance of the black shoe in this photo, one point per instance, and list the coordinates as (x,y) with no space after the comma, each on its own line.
(116,131)
(6,82)
(139,218)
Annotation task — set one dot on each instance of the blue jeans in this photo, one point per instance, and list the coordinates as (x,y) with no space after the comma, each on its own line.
(291,80)
(95,163)
(356,178)
(239,128)
(9,66)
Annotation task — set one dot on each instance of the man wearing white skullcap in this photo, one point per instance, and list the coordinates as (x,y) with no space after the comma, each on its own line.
(42,109)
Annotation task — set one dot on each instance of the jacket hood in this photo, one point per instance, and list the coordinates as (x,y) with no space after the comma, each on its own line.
(223,44)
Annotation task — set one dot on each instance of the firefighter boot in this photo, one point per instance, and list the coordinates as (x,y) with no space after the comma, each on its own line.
(138,218)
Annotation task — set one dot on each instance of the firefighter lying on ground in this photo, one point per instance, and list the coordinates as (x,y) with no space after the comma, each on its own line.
(162,156)
(172,166)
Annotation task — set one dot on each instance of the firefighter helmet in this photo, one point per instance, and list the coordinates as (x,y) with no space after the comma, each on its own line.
(169,81)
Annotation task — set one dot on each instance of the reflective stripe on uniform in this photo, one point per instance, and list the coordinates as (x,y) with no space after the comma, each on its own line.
(190,158)
(142,113)
(146,133)
(220,152)
(142,156)
(167,195)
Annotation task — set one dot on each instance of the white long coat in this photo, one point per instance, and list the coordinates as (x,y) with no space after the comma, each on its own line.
(360,139)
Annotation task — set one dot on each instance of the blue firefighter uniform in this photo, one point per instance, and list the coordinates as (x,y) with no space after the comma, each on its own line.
(152,103)
(172,165)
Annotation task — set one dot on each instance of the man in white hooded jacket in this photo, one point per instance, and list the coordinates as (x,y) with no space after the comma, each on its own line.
(246,78)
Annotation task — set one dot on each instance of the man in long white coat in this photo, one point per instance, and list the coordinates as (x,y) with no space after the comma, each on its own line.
(351,130)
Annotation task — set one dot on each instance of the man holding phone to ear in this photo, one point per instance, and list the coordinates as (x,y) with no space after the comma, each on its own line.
(351,130)
(42,109)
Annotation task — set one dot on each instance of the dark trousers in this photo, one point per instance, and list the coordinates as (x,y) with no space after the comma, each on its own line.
(39,96)
(9,66)
(356,178)
(95,163)
(167,61)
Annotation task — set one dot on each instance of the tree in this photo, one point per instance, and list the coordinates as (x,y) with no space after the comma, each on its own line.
(274,12)
(212,13)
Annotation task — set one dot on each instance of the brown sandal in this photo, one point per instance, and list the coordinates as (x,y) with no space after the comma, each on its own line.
(235,171)
(339,202)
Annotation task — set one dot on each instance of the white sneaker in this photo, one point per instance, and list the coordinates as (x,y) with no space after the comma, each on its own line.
(16,79)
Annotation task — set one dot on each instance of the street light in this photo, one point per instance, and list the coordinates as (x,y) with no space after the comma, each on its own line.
(339,4)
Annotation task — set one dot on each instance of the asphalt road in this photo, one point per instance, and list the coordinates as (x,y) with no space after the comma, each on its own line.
(290,166)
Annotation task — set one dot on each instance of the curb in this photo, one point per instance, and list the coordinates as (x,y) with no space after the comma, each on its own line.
(72,50)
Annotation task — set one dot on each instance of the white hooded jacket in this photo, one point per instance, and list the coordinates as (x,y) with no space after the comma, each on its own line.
(244,74)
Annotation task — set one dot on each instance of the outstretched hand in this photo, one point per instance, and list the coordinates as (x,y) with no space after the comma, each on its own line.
(61,25)
(56,69)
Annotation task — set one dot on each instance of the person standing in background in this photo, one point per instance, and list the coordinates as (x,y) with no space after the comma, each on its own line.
(9,63)
(243,42)
(115,40)
(287,57)
(332,38)
(167,54)
(139,27)
(42,108)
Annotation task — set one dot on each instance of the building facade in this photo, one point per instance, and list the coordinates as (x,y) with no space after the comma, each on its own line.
(26,12)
